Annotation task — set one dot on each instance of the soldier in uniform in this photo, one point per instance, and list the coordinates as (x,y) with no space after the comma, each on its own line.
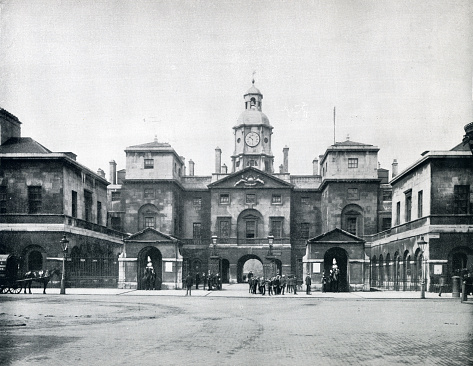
(308,283)
(189,285)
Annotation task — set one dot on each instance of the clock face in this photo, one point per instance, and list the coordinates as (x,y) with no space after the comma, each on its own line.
(252,139)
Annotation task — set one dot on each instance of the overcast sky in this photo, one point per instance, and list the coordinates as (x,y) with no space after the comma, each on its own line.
(94,77)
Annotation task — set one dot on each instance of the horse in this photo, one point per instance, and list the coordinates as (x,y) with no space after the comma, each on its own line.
(334,276)
(149,279)
(39,276)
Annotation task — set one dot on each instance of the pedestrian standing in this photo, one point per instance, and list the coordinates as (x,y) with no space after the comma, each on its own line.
(197,280)
(189,285)
(204,278)
(295,285)
(283,284)
(308,283)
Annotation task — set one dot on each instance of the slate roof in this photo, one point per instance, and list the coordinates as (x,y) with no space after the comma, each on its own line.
(25,145)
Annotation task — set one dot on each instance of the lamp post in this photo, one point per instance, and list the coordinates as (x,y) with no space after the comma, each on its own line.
(422,243)
(270,255)
(64,243)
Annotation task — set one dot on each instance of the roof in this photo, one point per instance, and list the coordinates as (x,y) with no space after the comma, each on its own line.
(349,145)
(428,155)
(461,147)
(253,90)
(252,117)
(336,235)
(155,146)
(24,145)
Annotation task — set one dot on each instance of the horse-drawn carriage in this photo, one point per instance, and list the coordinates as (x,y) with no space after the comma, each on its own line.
(9,274)
(12,282)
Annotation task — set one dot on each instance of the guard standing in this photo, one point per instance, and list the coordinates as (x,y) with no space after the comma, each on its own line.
(308,283)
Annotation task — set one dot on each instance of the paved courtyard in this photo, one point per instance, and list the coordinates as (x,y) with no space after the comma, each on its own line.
(136,328)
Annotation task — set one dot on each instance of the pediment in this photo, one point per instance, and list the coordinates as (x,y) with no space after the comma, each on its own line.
(151,235)
(337,235)
(250,178)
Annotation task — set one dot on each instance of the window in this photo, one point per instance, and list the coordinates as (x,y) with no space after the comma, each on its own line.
(87,205)
(197,203)
(305,201)
(351,225)
(387,195)
(197,231)
(276,227)
(250,229)
(3,199)
(74,204)
(99,212)
(149,164)
(461,199)
(352,162)
(116,196)
(276,199)
(398,213)
(149,193)
(420,204)
(305,230)
(251,199)
(116,223)
(224,229)
(352,194)
(34,200)
(252,163)
(149,221)
(224,199)
(386,223)
(408,206)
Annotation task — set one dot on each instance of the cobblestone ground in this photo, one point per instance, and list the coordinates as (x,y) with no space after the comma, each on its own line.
(169,330)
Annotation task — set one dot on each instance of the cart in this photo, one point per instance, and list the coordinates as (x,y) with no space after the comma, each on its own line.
(9,274)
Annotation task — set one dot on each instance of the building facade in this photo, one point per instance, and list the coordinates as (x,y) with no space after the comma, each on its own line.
(250,214)
(45,196)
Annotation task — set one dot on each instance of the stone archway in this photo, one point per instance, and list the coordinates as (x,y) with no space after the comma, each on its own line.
(241,276)
(341,257)
(157,262)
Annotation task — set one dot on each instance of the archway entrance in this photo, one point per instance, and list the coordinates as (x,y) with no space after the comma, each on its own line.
(247,263)
(225,271)
(341,257)
(156,261)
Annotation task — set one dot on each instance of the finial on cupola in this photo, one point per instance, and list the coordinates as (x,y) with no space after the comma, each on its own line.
(155,138)
(253,81)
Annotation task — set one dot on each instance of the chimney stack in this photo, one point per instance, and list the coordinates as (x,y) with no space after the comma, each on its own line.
(315,166)
(281,169)
(101,173)
(224,169)
(394,169)
(191,167)
(113,172)
(286,159)
(10,126)
(218,160)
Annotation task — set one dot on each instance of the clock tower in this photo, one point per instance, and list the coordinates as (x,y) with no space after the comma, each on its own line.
(253,135)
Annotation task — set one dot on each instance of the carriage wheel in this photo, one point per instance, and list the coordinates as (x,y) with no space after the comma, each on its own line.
(15,290)
(3,290)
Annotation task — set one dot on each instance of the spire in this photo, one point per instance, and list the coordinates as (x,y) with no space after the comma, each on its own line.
(253,81)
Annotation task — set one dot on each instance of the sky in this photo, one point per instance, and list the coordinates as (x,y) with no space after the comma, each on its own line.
(94,77)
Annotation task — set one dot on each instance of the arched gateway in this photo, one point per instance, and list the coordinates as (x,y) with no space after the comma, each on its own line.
(150,257)
(337,256)
(256,267)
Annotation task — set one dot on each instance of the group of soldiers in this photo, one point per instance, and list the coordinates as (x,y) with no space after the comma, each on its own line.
(277,285)
(210,281)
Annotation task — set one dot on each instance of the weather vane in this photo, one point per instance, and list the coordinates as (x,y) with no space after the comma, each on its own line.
(254,72)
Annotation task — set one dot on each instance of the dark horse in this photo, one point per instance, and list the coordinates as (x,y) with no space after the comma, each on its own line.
(39,276)
(149,279)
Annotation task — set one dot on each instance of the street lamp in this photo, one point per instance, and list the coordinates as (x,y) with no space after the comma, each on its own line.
(214,243)
(64,243)
(422,244)
(270,255)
